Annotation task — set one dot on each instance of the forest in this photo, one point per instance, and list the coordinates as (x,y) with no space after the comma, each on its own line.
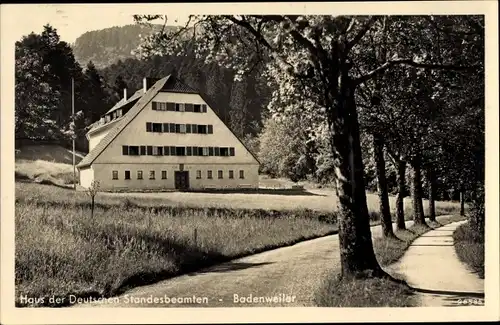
(355,102)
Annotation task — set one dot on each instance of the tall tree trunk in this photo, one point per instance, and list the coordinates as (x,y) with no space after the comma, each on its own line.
(432,193)
(400,205)
(462,199)
(383,194)
(418,208)
(357,256)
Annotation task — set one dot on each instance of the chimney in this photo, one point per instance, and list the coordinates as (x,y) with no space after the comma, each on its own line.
(148,83)
(145,84)
(125,94)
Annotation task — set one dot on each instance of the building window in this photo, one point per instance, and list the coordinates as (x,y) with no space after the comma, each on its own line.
(171,107)
(242,174)
(149,126)
(163,174)
(202,129)
(149,150)
(115,174)
(120,113)
(165,128)
(198,174)
(139,174)
(211,151)
(133,150)
(205,151)
(125,150)
(210,129)
(188,128)
(220,174)
(179,107)
(231,174)
(209,174)
(151,174)
(155,151)
(160,151)
(203,108)
(217,151)
(166,150)
(224,152)
(231,151)
(143,150)
(182,128)
(180,151)
(177,128)
(157,127)
(189,107)
(127,174)
(197,108)
(160,106)
(194,128)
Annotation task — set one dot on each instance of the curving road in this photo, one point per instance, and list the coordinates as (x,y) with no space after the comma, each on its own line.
(287,276)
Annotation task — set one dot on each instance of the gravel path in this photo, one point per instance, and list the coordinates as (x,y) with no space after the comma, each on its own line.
(291,274)
(432,265)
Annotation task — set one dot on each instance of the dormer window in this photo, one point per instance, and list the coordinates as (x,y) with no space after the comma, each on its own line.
(119,113)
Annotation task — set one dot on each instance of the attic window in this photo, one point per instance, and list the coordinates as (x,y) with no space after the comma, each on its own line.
(197,108)
(119,113)
(224,151)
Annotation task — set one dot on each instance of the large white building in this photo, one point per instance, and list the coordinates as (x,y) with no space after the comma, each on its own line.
(166,136)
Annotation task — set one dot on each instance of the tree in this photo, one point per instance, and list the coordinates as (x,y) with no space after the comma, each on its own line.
(313,58)
(35,99)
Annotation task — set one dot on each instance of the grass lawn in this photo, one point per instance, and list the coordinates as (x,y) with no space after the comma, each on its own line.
(375,292)
(470,248)
(61,251)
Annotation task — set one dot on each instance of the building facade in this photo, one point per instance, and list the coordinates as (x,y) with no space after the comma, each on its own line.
(166,136)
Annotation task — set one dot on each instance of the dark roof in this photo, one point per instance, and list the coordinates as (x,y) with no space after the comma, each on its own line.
(169,84)
(104,143)
(177,86)
(122,103)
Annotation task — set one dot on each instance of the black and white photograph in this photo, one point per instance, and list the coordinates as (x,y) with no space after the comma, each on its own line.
(201,158)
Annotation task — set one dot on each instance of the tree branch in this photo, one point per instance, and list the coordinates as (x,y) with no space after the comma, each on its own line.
(360,34)
(411,63)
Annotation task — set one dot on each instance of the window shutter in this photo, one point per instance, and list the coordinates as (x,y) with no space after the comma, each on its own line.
(150,150)
(189,151)
(231,151)
(165,127)
(155,108)
(125,150)
(194,128)
(171,107)
(143,150)
(160,151)
(172,151)
(211,151)
(188,107)
(172,127)
(210,129)
(166,150)
(203,108)
(177,128)
(149,126)
(188,128)
(217,151)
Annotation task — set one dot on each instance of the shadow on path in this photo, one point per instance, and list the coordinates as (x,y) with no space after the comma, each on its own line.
(228,267)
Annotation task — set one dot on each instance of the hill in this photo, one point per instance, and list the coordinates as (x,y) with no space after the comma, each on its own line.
(106,46)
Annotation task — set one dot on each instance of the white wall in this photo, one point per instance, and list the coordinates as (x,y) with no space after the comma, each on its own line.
(86,176)
(104,173)
(135,134)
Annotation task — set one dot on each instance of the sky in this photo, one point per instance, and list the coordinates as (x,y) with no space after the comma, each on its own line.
(72,20)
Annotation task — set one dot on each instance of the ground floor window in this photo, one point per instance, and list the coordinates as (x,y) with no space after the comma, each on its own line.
(198,174)
(163,174)
(220,174)
(152,174)
(115,174)
(139,174)
(209,174)
(231,174)
(127,174)
(242,174)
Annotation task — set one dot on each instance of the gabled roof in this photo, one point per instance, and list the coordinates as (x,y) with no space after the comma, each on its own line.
(170,84)
(113,133)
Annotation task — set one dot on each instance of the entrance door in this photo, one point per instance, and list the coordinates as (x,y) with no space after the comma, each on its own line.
(182,180)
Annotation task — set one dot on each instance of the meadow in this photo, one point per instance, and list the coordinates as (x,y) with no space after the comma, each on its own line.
(139,238)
